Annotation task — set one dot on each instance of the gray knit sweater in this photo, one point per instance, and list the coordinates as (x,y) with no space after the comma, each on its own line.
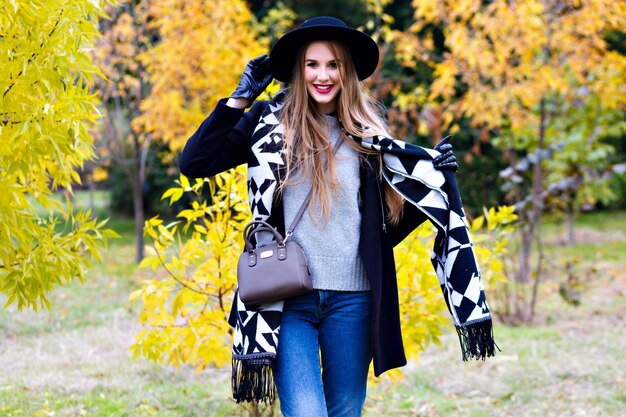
(332,249)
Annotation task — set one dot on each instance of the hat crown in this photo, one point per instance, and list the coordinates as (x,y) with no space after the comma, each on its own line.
(323,21)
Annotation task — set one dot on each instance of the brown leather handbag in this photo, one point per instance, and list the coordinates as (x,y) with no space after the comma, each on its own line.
(276,271)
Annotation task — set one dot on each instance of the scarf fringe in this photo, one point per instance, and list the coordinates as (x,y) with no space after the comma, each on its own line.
(477,340)
(253,380)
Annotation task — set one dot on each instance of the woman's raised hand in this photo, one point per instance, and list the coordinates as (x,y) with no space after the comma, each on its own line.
(446,160)
(255,79)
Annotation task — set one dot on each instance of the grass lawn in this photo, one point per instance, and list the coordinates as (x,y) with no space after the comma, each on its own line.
(74,360)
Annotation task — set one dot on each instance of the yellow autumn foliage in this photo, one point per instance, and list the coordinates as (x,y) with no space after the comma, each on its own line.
(204,47)
(185,311)
(46,113)
(505,57)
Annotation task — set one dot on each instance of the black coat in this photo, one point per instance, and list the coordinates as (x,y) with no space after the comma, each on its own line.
(223,141)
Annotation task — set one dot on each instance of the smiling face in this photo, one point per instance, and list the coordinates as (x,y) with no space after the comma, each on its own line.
(322,76)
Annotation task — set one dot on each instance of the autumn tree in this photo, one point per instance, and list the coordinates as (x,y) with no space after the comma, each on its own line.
(517,69)
(216,39)
(125,36)
(46,113)
(167,63)
(204,46)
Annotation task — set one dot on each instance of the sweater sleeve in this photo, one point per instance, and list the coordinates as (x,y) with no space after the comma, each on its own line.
(221,142)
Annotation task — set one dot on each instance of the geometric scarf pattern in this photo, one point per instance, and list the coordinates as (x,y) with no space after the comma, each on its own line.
(409,170)
(257,326)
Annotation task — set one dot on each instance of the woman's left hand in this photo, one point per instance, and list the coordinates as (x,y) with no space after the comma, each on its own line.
(446,160)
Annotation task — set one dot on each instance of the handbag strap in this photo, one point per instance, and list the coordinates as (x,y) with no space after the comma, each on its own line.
(295,221)
(257,226)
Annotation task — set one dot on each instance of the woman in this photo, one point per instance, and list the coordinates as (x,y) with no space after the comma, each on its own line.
(353,221)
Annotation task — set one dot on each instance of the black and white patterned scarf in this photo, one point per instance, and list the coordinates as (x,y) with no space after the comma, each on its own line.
(409,170)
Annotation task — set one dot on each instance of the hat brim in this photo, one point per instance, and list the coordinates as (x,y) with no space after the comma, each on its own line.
(363,49)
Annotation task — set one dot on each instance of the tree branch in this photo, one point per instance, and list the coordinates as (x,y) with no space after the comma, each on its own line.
(162,262)
(34,54)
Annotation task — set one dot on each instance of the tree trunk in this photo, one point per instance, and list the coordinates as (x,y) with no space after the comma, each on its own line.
(538,273)
(138,182)
(531,232)
(520,304)
(570,217)
(139,220)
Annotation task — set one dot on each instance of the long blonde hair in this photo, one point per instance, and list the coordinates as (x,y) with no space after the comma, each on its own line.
(306,145)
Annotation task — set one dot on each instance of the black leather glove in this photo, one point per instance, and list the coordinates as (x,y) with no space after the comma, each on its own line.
(255,79)
(446,160)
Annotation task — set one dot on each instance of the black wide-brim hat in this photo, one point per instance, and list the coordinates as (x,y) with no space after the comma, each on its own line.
(362,47)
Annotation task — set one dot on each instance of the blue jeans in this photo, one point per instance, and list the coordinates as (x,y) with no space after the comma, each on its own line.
(337,324)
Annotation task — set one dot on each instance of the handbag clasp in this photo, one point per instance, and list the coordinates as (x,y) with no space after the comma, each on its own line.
(282,252)
(251,259)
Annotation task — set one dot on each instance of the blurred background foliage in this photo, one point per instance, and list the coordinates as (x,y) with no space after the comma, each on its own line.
(404,90)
